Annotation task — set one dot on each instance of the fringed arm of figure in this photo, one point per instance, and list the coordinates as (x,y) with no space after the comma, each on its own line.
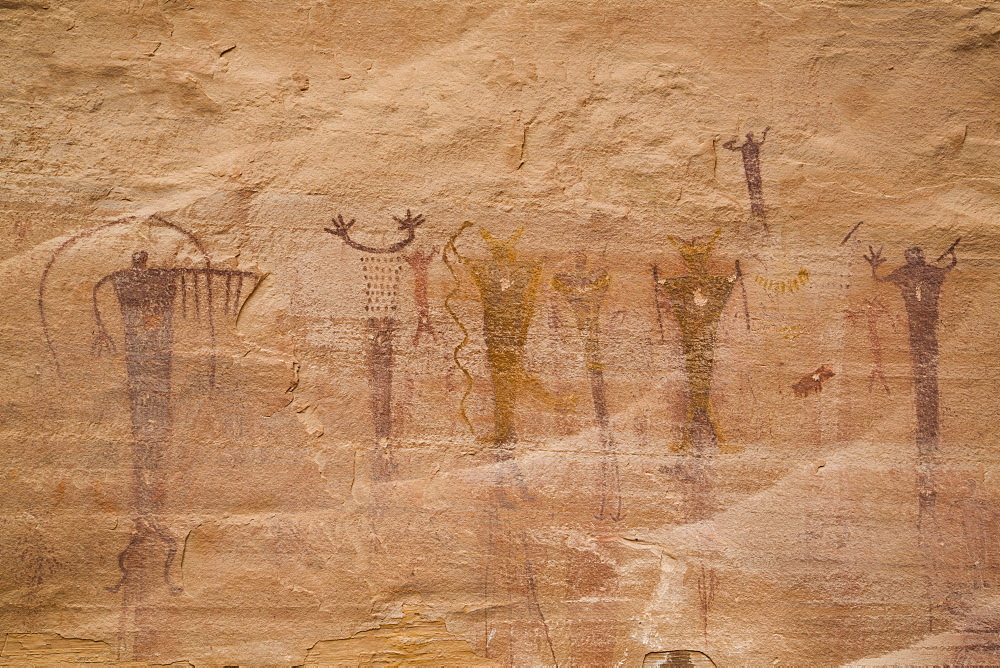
(234,286)
(658,302)
(102,341)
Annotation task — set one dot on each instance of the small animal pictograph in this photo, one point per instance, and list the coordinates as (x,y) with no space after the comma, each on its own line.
(813,383)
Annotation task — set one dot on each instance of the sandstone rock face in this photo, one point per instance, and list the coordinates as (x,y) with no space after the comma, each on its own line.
(499,333)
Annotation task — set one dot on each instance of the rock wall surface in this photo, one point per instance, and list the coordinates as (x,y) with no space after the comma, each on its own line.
(510,332)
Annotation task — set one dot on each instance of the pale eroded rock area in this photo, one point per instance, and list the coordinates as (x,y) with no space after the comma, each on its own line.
(233,428)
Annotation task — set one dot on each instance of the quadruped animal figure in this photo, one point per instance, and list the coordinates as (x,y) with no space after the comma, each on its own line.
(812,383)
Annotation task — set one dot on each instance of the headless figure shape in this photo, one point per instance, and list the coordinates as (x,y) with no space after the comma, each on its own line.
(146,301)
(585,289)
(920,285)
(697,301)
(516,629)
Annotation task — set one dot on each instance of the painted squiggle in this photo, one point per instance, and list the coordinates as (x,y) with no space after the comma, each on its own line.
(454,316)
(783,287)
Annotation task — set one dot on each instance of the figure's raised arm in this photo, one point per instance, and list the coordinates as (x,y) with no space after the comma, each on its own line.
(875,260)
(102,341)
(408,223)
(951,252)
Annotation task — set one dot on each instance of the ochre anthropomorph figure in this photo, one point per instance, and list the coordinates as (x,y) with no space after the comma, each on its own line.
(515,628)
(584,289)
(697,301)
(508,287)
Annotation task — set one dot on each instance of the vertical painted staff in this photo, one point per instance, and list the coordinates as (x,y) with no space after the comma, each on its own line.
(585,290)
(381,267)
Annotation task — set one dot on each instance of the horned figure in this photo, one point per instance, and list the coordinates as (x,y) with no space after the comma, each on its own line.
(750,150)
(697,301)
(381,267)
(147,300)
(585,289)
(508,288)
(513,618)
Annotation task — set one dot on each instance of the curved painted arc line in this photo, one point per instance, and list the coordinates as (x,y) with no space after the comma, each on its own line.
(393,248)
(154,219)
(454,316)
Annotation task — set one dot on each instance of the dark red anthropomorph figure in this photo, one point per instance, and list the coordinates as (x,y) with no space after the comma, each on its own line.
(148,303)
(920,285)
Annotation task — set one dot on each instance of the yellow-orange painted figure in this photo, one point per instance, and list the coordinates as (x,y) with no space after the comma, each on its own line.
(697,301)
(508,287)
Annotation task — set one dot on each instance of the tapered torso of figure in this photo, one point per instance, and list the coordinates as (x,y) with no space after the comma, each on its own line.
(920,285)
(146,300)
(508,294)
(697,303)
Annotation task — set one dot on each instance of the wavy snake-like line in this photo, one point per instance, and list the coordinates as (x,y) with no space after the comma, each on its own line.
(454,316)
